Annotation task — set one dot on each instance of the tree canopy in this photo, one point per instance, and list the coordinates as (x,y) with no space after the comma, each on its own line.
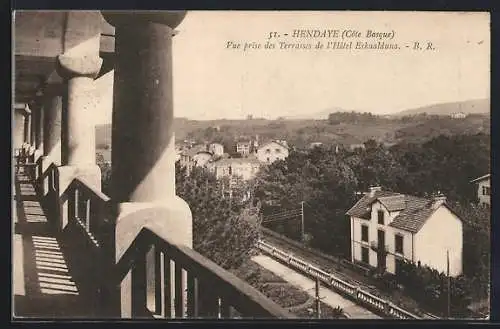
(224,231)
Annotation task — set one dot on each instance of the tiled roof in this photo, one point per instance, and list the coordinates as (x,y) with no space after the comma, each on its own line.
(393,202)
(362,208)
(195,150)
(414,211)
(232,161)
(415,214)
(280,143)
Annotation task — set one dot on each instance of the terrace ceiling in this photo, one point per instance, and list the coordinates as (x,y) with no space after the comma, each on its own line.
(37,41)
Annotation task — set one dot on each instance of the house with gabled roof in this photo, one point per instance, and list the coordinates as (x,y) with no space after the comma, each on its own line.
(272,151)
(388,228)
(483,184)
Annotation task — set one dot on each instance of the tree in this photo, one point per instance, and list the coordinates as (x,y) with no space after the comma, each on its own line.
(225,232)
(325,182)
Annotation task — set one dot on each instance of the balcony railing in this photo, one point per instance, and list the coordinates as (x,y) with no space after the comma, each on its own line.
(212,292)
(185,283)
(375,246)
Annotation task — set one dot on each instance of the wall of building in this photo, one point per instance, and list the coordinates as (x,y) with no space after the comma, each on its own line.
(390,233)
(216,149)
(392,256)
(483,199)
(202,159)
(357,244)
(270,152)
(443,231)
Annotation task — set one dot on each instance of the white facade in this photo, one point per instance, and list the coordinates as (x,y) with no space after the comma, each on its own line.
(216,149)
(458,115)
(272,151)
(441,233)
(246,169)
(243,148)
(483,189)
(201,158)
(428,245)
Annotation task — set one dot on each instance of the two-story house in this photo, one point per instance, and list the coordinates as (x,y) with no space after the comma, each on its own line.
(388,228)
(244,147)
(245,168)
(197,156)
(272,151)
(458,115)
(483,189)
(216,149)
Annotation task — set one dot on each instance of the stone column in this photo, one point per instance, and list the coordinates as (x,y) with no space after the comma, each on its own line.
(27,129)
(143,153)
(78,128)
(32,134)
(18,127)
(51,157)
(38,130)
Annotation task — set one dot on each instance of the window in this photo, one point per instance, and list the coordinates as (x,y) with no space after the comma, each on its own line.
(364,255)
(380,214)
(486,190)
(398,242)
(268,159)
(277,150)
(268,151)
(364,233)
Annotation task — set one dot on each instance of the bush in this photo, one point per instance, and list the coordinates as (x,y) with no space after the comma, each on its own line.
(429,287)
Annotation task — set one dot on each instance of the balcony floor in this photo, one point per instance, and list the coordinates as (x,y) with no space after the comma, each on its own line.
(48,281)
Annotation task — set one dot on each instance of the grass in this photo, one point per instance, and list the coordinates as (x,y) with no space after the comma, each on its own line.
(281,292)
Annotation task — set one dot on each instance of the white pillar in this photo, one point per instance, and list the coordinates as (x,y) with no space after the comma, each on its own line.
(51,138)
(78,66)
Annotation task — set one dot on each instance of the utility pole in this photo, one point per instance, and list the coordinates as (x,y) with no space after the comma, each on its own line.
(302,221)
(449,281)
(318,304)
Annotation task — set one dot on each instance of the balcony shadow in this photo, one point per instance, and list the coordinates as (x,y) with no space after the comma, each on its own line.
(46,285)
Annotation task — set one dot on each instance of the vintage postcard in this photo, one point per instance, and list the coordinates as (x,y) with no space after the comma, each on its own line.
(251,165)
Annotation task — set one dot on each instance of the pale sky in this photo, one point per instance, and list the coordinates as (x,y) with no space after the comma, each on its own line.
(211,81)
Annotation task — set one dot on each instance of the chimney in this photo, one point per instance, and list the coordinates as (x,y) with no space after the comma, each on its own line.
(438,200)
(374,189)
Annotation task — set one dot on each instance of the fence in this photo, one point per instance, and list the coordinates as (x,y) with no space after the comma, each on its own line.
(348,290)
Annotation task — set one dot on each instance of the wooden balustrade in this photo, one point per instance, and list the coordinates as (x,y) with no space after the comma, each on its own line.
(88,207)
(208,292)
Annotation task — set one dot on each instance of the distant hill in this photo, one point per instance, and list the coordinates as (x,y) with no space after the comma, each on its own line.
(349,128)
(321,115)
(475,106)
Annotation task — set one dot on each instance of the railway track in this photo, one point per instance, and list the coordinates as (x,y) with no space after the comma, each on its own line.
(331,264)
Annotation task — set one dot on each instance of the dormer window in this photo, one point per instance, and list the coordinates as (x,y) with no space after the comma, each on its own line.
(380,217)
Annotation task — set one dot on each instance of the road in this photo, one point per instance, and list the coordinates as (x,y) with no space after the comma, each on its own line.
(330,298)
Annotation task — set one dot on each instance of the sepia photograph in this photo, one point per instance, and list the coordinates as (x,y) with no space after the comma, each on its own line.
(250,165)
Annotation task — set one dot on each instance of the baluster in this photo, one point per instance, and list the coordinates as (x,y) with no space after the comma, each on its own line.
(87,214)
(138,286)
(167,287)
(76,202)
(192,299)
(158,280)
(179,291)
